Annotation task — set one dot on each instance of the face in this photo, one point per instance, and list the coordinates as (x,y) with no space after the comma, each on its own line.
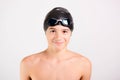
(58,36)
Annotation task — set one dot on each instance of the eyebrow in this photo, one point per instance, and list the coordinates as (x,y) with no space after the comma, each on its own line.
(51,28)
(55,28)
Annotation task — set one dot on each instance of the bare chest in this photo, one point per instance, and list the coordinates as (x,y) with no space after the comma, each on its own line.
(64,71)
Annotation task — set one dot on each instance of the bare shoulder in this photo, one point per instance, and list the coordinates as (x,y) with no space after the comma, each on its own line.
(31,59)
(82,59)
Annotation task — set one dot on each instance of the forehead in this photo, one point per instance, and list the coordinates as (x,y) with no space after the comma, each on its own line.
(58,27)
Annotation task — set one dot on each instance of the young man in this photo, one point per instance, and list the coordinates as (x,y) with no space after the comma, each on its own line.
(56,62)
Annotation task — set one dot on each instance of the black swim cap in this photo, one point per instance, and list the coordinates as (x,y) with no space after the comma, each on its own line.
(61,14)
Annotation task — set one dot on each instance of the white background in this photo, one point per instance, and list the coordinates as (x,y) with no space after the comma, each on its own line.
(96,34)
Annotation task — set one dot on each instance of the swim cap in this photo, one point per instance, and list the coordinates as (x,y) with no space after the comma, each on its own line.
(57,16)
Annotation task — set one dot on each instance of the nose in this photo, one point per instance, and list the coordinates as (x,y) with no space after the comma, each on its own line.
(58,35)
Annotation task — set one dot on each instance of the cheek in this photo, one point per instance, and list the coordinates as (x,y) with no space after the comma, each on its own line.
(49,37)
(67,38)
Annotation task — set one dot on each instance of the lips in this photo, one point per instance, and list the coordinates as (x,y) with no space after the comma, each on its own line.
(58,43)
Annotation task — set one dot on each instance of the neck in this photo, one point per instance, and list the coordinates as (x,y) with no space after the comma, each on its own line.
(53,53)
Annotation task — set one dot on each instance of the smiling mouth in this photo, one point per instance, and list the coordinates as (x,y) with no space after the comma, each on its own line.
(58,43)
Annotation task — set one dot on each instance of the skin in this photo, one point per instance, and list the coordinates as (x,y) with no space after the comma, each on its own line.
(56,62)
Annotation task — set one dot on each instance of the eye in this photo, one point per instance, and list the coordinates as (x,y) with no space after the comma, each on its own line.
(52,30)
(65,31)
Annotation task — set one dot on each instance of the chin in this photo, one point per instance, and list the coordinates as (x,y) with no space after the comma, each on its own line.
(60,47)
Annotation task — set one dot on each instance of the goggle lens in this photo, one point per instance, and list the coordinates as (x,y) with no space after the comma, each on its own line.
(64,22)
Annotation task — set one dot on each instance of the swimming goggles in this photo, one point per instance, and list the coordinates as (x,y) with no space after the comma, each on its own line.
(63,22)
